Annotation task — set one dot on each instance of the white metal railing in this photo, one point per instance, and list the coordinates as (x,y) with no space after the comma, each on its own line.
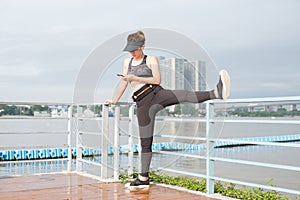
(105,138)
(210,142)
(75,114)
(210,138)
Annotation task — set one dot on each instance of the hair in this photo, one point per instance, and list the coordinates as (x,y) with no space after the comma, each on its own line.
(138,36)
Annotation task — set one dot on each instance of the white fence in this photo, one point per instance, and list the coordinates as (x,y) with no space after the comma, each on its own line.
(107,141)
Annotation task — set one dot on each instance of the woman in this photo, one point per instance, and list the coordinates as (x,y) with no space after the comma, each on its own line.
(143,74)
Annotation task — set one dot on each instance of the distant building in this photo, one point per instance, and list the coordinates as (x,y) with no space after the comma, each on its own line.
(41,114)
(182,74)
(178,74)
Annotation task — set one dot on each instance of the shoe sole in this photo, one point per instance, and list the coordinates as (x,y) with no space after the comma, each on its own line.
(137,188)
(225,78)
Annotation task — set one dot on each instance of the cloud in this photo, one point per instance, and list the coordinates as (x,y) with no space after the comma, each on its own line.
(257,41)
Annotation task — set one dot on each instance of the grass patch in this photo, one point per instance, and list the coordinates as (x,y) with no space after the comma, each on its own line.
(225,189)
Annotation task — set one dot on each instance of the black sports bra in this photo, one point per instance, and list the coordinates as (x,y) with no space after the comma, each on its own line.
(141,70)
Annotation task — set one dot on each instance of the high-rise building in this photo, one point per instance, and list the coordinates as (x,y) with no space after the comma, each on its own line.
(178,74)
(182,74)
(199,74)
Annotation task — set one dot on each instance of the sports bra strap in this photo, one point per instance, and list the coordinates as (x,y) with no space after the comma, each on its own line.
(143,61)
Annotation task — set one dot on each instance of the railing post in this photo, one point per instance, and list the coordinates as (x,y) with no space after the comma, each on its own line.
(70,109)
(104,142)
(209,147)
(130,140)
(78,139)
(116,142)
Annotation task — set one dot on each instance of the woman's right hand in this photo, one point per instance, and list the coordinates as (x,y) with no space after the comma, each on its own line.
(110,101)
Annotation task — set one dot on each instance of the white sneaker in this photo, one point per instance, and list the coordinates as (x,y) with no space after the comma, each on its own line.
(138,185)
(223,87)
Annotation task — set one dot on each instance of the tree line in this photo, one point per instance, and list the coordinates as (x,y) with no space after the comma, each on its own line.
(279,113)
(22,110)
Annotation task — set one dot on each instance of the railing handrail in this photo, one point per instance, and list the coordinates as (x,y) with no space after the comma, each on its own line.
(34,103)
(255,100)
(238,100)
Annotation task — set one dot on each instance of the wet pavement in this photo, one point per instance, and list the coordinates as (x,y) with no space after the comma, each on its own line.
(74,186)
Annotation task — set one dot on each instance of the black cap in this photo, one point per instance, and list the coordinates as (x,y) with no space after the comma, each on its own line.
(132,46)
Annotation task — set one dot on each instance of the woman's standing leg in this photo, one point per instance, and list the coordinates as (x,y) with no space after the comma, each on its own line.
(146,117)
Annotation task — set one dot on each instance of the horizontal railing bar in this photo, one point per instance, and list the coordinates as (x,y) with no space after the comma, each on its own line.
(251,100)
(33,132)
(254,163)
(32,147)
(90,118)
(243,100)
(89,162)
(256,185)
(30,161)
(34,103)
(99,118)
(125,103)
(256,121)
(180,137)
(180,154)
(23,117)
(96,148)
(90,133)
(243,142)
(173,119)
(95,103)
(183,172)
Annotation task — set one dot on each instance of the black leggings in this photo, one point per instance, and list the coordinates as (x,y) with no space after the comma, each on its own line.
(147,108)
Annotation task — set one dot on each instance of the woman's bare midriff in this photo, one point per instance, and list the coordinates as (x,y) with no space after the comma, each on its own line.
(135,86)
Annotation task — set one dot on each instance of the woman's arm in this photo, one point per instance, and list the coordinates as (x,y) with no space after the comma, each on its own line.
(121,87)
(120,90)
(153,64)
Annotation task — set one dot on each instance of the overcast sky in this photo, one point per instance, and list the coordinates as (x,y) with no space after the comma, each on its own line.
(43,44)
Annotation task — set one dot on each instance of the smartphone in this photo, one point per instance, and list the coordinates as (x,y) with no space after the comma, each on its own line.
(120,75)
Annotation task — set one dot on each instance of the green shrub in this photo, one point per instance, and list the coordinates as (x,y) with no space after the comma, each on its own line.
(225,189)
